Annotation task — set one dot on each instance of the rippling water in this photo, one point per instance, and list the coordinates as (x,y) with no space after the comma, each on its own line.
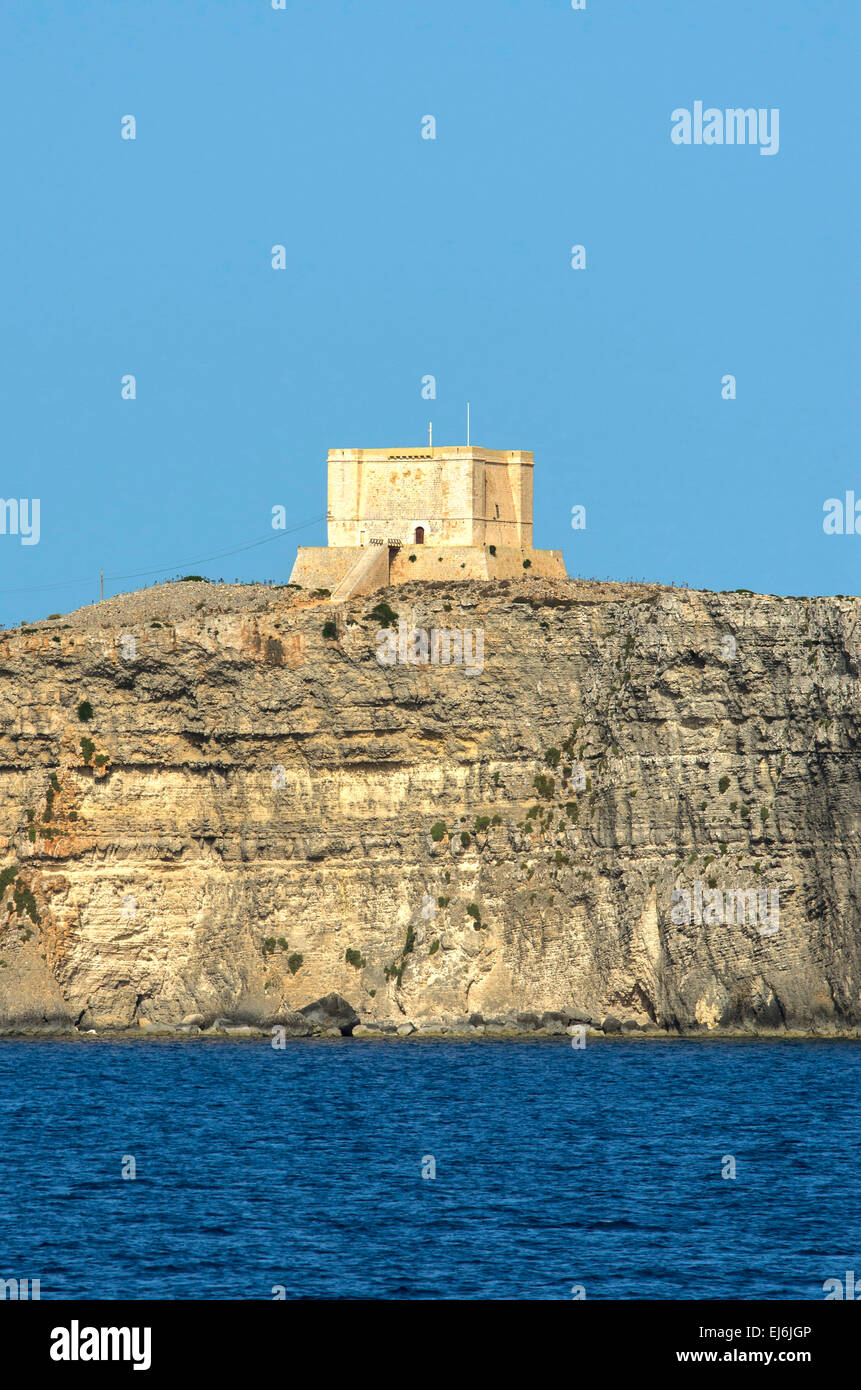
(302,1168)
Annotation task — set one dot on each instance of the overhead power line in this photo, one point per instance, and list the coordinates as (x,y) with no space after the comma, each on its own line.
(165,569)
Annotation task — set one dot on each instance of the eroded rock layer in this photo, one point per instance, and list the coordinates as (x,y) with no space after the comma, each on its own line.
(217,803)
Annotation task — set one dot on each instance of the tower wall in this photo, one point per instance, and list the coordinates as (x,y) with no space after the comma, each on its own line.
(459,496)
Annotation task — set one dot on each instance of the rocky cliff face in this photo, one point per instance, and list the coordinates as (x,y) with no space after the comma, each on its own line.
(257,814)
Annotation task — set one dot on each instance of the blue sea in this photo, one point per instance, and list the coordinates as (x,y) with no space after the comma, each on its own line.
(548,1171)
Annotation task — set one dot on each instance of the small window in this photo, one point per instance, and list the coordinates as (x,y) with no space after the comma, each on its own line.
(420,535)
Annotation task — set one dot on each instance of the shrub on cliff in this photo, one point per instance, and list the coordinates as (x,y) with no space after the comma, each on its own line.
(25,902)
(85,711)
(383,614)
(544,785)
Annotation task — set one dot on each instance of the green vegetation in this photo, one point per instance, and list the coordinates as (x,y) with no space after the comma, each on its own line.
(294,962)
(355,958)
(191,579)
(723,784)
(55,781)
(481,824)
(544,785)
(383,614)
(53,616)
(438,831)
(85,711)
(395,971)
(88,748)
(552,757)
(464,838)
(100,759)
(329,629)
(434,947)
(25,902)
(7,876)
(527,564)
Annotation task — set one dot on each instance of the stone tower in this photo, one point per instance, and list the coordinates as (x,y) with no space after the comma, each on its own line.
(425,513)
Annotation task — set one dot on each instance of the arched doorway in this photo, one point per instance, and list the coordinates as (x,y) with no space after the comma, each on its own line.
(420,535)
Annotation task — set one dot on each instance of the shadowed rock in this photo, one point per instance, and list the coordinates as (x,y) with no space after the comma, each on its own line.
(332,1011)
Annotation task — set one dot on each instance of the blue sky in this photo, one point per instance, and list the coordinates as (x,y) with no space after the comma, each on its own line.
(407,257)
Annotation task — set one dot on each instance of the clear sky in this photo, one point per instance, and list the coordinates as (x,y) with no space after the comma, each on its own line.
(408,257)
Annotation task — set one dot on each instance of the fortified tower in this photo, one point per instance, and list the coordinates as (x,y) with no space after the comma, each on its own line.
(425,513)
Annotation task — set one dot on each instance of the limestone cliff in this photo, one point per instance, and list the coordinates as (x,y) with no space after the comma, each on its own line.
(216,802)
